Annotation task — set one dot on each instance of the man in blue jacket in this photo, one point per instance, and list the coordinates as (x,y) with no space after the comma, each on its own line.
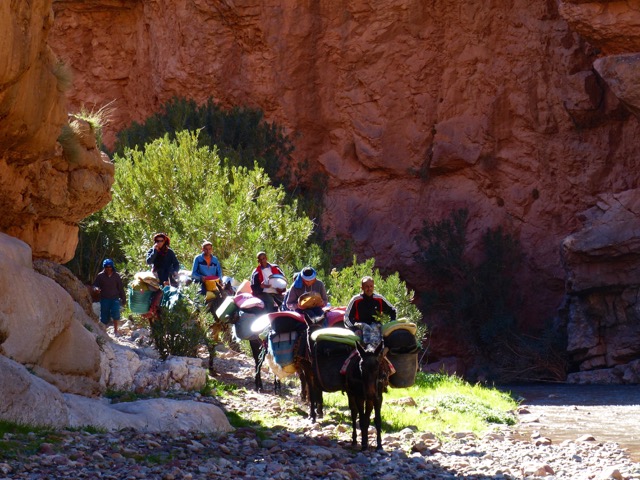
(205,265)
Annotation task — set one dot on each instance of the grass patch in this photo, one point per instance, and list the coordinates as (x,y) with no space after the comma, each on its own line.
(19,440)
(436,403)
(216,388)
(97,119)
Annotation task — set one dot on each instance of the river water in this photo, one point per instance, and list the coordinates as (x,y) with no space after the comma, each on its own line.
(611,413)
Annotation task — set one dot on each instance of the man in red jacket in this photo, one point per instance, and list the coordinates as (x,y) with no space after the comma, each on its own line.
(261,286)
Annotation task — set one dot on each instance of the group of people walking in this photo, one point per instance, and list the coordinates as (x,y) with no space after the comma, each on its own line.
(363,308)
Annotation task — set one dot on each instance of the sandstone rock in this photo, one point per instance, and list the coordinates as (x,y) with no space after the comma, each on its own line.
(621,72)
(611,25)
(44,194)
(67,280)
(606,250)
(127,370)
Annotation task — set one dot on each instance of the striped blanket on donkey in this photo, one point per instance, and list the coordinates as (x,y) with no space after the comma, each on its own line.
(286,329)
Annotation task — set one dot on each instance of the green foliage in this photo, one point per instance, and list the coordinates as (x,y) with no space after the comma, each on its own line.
(478,300)
(97,241)
(182,329)
(443,404)
(192,194)
(343,284)
(215,387)
(240,134)
(476,407)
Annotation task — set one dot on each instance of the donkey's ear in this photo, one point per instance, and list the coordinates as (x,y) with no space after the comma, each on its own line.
(379,348)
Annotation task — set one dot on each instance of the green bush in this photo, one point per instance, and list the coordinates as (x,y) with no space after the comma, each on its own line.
(479,301)
(240,134)
(182,329)
(189,192)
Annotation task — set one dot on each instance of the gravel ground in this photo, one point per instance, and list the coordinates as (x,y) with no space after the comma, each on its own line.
(297,449)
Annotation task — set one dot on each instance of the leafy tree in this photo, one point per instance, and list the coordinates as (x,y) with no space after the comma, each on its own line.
(241,134)
(189,192)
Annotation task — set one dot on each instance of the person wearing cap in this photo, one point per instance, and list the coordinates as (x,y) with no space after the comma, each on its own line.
(365,307)
(260,283)
(306,282)
(163,259)
(206,264)
(109,285)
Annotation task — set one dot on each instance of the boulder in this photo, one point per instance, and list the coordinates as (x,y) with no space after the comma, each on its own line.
(153,415)
(40,323)
(621,72)
(29,400)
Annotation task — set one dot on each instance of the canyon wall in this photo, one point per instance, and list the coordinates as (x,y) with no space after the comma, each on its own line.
(411,108)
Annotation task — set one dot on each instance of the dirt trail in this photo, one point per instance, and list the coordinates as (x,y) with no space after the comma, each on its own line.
(611,413)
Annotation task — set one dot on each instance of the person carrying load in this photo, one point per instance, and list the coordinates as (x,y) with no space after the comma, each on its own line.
(261,283)
(164,265)
(307,293)
(206,265)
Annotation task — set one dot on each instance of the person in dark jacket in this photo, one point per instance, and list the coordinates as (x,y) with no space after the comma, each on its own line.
(260,283)
(109,285)
(364,308)
(306,282)
(164,260)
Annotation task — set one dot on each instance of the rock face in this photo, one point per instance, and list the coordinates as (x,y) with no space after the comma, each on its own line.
(603,286)
(412,110)
(47,187)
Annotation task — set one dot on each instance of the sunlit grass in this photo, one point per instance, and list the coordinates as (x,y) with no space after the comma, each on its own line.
(436,403)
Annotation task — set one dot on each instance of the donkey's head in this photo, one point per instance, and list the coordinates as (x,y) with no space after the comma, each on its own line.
(371,368)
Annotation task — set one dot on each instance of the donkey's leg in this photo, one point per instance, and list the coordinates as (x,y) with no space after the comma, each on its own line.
(319,402)
(378,422)
(258,354)
(365,421)
(353,407)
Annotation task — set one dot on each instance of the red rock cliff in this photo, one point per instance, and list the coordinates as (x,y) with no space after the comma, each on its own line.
(412,108)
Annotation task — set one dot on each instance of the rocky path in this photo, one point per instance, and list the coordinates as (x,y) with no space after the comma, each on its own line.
(297,449)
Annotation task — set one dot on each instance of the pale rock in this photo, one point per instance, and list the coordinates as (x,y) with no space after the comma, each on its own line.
(43,326)
(154,415)
(613,26)
(621,72)
(27,399)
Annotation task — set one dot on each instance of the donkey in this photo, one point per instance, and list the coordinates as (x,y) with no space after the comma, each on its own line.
(259,352)
(365,382)
(310,389)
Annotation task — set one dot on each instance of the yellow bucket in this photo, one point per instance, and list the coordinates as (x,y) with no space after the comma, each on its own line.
(211,284)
